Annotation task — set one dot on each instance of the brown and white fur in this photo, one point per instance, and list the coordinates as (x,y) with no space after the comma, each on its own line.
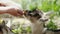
(37,22)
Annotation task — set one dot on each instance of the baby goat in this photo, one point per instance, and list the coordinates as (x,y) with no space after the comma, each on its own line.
(38,19)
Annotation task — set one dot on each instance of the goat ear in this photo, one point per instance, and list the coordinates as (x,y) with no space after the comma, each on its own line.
(49,13)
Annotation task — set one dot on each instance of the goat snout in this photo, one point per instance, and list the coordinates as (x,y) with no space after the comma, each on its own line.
(43,20)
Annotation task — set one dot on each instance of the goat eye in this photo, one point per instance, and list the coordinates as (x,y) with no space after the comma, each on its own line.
(39,17)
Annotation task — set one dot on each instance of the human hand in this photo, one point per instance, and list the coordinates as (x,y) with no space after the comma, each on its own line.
(9,8)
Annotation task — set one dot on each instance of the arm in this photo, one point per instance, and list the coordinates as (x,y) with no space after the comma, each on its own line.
(12,9)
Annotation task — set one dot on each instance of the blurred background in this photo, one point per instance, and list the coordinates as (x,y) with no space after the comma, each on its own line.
(45,6)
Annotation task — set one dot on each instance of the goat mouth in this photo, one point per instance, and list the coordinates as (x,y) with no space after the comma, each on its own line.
(44,20)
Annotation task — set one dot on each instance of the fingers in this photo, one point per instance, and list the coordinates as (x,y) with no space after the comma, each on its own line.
(11,10)
(20,12)
(15,12)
